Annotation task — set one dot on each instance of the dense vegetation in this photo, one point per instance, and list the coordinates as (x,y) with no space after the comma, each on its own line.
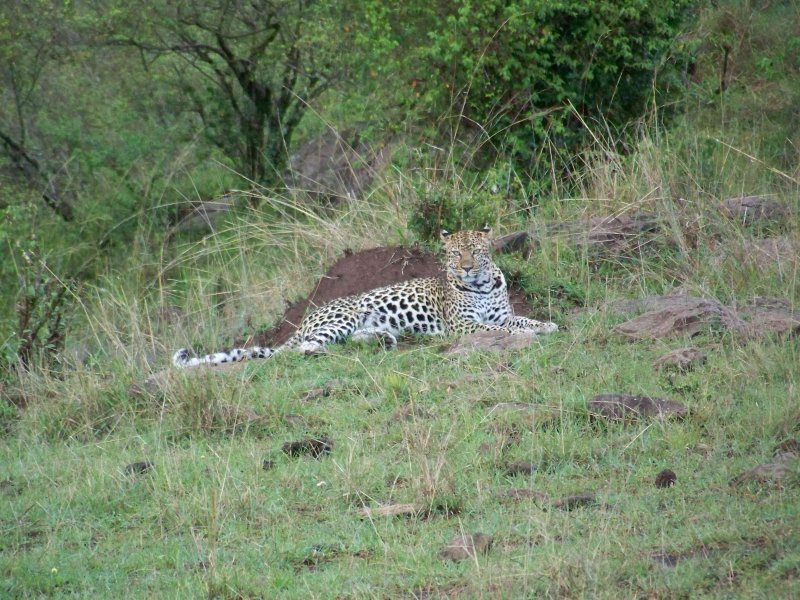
(117,119)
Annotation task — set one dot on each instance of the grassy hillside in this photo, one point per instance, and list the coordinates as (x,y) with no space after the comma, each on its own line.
(224,512)
(111,486)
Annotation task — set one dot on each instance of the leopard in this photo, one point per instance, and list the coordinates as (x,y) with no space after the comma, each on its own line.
(471,296)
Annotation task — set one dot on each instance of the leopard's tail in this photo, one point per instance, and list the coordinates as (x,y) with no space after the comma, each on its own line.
(183,359)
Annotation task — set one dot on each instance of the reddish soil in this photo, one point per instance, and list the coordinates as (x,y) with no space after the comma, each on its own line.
(363,271)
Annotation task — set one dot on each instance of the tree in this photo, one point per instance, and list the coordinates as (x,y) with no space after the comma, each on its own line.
(248,68)
(28,46)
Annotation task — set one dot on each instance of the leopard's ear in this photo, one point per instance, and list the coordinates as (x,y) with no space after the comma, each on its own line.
(487,231)
(444,234)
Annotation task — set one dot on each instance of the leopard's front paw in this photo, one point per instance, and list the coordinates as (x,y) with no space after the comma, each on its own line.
(547,328)
(525,331)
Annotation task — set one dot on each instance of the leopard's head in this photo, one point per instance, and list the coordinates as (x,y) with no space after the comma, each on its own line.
(468,255)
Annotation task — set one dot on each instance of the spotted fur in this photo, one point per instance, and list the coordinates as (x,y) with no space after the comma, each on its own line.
(472,296)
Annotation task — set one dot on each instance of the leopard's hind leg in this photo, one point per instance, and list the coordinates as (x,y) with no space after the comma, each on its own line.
(365,334)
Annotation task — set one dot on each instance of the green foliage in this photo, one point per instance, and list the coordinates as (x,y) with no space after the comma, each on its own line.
(528,74)
(444,208)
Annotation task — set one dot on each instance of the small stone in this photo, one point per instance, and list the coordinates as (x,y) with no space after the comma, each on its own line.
(666,478)
(138,468)
(465,546)
(682,359)
(316,447)
(573,502)
(521,467)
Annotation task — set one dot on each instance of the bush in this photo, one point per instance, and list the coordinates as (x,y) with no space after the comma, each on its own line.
(528,73)
(446,208)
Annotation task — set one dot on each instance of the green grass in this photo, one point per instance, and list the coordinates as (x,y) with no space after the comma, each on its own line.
(208,520)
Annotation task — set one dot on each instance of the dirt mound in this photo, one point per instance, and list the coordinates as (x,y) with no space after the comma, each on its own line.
(359,272)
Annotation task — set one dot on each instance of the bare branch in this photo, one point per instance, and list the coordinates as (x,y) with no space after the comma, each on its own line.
(34,174)
(186,48)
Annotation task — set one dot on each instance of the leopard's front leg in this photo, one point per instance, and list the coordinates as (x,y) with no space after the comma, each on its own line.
(464,326)
(530,325)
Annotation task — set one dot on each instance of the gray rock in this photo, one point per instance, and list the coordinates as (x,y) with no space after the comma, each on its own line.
(337,165)
(682,359)
(772,472)
(679,315)
(466,545)
(749,210)
(625,407)
(493,341)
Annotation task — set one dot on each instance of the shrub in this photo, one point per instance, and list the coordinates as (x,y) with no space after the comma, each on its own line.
(528,72)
